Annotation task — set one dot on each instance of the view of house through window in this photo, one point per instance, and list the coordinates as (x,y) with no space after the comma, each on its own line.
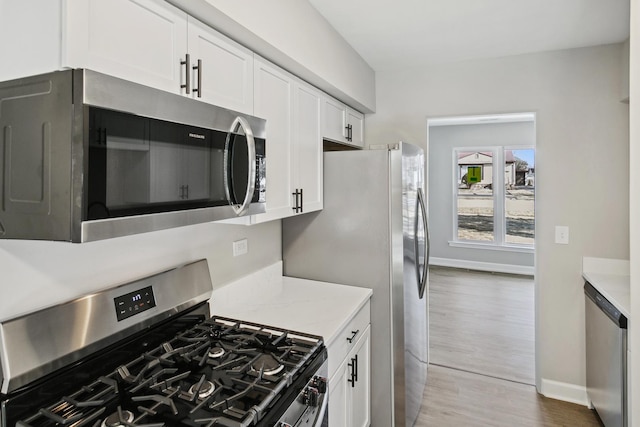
(475,195)
(495,206)
(519,196)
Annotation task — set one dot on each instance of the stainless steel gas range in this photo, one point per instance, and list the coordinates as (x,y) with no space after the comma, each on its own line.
(147,353)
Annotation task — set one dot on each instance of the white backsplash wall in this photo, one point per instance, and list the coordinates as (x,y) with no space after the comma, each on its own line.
(36,274)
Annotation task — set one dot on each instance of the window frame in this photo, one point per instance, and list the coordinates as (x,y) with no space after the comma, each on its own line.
(499,199)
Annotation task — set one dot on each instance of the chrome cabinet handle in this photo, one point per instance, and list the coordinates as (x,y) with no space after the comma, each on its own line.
(187,72)
(353,335)
(199,69)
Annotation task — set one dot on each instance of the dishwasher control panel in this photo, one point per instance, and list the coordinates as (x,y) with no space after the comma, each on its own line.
(609,309)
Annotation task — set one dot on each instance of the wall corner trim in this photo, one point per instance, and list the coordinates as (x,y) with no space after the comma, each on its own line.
(564,391)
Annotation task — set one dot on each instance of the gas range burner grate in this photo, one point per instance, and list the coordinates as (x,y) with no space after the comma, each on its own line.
(80,408)
(124,418)
(219,372)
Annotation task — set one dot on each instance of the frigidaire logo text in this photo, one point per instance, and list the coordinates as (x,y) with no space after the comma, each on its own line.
(196,135)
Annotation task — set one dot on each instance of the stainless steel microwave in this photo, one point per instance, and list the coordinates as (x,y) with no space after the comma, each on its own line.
(85,156)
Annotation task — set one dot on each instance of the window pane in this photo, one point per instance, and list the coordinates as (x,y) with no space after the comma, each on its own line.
(475,196)
(519,196)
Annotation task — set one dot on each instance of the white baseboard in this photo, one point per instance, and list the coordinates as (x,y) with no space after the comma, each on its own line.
(483,266)
(564,391)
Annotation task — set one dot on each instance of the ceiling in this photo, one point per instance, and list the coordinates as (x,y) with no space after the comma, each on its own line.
(416,33)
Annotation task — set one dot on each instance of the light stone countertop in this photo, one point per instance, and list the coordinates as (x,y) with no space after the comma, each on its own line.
(307,306)
(611,278)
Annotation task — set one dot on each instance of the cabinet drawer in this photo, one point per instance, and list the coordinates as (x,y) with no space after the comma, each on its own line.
(347,338)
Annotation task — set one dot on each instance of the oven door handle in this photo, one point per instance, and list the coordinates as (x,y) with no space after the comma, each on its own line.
(240,122)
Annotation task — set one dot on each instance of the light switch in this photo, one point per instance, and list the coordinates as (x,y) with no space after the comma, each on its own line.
(562,234)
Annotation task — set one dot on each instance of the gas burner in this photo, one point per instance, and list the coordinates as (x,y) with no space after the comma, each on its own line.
(268,364)
(206,389)
(118,418)
(216,352)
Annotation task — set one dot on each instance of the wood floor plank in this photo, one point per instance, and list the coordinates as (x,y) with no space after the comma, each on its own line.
(482,340)
(458,398)
(482,322)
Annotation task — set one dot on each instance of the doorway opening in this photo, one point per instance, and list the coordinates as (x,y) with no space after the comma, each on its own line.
(481,205)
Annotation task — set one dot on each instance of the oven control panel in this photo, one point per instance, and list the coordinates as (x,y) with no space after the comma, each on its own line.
(134,303)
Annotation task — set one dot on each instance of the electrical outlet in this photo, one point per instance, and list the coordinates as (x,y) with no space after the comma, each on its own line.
(562,234)
(240,247)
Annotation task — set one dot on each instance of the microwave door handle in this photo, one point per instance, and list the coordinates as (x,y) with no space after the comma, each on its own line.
(241,122)
(427,243)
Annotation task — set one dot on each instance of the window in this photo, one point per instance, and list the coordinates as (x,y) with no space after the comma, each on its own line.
(492,206)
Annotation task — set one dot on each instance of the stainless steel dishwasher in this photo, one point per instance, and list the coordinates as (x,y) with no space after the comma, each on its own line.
(606,344)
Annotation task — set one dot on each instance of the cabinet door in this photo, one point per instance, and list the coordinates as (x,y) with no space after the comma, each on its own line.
(338,397)
(307,148)
(334,120)
(273,101)
(361,391)
(356,121)
(138,40)
(226,67)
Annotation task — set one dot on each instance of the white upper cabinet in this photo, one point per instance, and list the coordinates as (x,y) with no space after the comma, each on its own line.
(138,40)
(334,119)
(294,143)
(273,101)
(307,147)
(152,43)
(221,68)
(342,124)
(355,127)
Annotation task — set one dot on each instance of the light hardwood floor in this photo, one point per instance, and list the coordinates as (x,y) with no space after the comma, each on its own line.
(482,322)
(482,355)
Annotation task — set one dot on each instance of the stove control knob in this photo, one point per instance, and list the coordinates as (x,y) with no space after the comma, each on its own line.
(311,397)
(320,383)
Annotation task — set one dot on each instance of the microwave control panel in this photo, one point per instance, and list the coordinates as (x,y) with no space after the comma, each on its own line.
(134,303)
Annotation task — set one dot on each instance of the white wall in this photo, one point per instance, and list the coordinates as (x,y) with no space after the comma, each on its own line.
(293,35)
(582,174)
(634,201)
(442,140)
(36,274)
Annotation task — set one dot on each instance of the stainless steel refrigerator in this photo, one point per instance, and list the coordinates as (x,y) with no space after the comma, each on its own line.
(372,233)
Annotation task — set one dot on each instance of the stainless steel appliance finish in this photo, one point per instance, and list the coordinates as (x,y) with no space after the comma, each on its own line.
(147,353)
(37,344)
(44,151)
(372,233)
(606,350)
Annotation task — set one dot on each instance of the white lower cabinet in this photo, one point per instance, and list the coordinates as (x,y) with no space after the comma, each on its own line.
(349,383)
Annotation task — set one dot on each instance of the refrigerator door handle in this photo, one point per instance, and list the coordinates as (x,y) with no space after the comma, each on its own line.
(427,245)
